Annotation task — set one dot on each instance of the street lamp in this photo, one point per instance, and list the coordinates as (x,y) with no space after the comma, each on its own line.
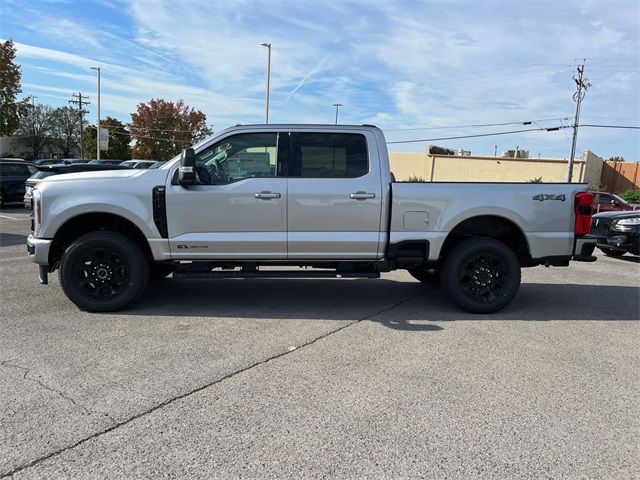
(337,105)
(266,113)
(97,69)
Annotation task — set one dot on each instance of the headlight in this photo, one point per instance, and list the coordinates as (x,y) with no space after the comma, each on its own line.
(36,199)
(628,221)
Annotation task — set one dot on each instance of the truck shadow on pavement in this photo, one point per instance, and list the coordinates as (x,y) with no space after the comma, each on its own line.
(396,304)
(9,239)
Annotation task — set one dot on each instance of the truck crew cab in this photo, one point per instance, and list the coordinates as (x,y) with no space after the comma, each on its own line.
(314,196)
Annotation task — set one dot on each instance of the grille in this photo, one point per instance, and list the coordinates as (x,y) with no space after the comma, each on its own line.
(600,226)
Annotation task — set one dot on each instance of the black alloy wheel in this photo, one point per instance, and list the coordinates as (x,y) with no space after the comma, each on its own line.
(481,275)
(103,271)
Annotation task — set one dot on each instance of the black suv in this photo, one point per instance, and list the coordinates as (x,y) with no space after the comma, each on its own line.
(617,232)
(13,175)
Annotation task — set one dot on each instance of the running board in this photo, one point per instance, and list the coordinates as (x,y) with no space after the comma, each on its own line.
(182,274)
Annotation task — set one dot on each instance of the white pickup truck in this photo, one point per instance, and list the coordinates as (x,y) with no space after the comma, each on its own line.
(320,197)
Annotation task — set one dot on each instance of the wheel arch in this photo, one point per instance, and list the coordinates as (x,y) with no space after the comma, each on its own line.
(491,226)
(78,225)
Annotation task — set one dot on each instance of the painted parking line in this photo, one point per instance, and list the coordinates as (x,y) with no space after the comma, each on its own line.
(10,218)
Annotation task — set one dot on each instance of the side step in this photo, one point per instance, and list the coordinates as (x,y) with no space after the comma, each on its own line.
(305,273)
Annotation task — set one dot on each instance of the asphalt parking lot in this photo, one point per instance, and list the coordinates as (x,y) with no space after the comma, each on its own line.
(320,378)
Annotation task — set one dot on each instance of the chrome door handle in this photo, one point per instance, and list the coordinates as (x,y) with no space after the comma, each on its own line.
(266,195)
(362,195)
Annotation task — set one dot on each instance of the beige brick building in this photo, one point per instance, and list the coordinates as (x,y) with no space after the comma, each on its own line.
(457,168)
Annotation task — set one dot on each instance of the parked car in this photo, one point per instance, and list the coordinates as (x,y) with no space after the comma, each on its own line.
(106,162)
(316,196)
(610,202)
(45,171)
(13,175)
(617,232)
(139,164)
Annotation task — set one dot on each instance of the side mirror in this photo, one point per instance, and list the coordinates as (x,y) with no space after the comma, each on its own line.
(187,169)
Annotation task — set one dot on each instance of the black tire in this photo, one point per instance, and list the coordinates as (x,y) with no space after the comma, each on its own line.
(161,270)
(481,275)
(103,271)
(610,252)
(425,275)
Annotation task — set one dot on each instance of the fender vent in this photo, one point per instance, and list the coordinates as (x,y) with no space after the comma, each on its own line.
(160,210)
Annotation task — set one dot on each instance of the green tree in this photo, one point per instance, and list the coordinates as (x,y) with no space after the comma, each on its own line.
(65,131)
(36,126)
(161,129)
(10,108)
(119,140)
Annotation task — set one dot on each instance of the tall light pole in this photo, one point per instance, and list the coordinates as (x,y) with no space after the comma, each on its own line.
(266,108)
(97,69)
(337,105)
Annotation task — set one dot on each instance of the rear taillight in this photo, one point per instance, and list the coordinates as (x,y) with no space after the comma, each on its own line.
(583,213)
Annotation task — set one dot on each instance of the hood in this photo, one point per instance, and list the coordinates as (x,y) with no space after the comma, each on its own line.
(100,175)
(618,214)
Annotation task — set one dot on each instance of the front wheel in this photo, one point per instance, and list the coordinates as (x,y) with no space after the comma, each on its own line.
(103,271)
(610,252)
(481,275)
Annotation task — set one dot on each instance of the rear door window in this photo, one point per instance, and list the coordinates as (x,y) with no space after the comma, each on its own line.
(329,155)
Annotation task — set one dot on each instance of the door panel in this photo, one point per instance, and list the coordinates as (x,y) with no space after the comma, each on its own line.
(238,208)
(333,217)
(228,221)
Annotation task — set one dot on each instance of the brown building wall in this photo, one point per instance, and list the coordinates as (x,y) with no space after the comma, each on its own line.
(618,177)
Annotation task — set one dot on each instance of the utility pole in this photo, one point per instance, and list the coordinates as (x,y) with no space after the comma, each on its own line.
(583,85)
(337,105)
(97,69)
(81,101)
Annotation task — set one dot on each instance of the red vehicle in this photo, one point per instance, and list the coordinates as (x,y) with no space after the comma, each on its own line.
(609,202)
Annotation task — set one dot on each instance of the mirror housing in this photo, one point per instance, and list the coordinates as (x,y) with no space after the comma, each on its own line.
(187,169)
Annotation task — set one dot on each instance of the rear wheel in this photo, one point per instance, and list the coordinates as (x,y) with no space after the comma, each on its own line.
(612,253)
(103,271)
(481,275)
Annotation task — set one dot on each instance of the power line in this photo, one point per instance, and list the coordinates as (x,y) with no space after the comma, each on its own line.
(510,132)
(476,125)
(188,142)
(633,127)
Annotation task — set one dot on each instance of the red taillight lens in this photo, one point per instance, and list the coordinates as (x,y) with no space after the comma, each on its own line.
(583,213)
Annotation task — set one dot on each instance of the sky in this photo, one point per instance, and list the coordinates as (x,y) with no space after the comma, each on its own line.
(420,70)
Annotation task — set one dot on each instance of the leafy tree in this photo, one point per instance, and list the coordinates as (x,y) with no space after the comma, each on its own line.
(631,196)
(10,75)
(65,130)
(36,126)
(161,129)
(616,159)
(119,140)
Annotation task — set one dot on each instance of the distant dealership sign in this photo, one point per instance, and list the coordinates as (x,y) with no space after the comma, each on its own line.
(104,138)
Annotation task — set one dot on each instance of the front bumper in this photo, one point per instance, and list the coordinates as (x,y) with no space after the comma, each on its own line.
(628,241)
(38,250)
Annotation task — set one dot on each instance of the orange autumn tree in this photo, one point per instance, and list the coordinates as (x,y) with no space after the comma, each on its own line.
(161,129)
